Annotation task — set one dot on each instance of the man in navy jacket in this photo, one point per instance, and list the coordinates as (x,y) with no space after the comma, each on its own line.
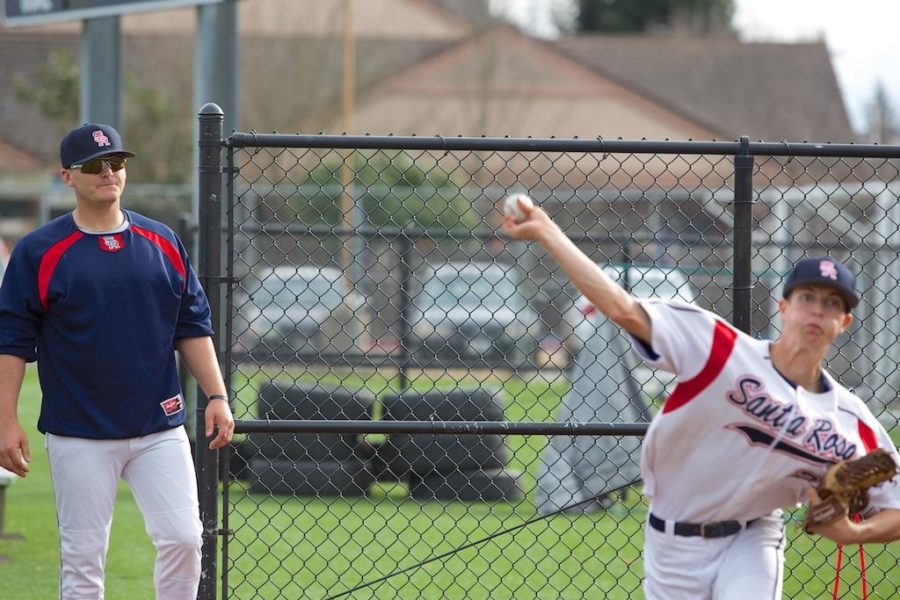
(102,298)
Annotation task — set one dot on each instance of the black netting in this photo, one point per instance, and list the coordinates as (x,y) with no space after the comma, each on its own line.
(375,285)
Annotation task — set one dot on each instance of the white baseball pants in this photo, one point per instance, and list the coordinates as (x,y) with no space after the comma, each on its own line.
(746,566)
(160,475)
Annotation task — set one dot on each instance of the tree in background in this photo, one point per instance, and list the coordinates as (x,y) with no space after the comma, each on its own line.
(159,130)
(54,91)
(393,188)
(883,125)
(648,16)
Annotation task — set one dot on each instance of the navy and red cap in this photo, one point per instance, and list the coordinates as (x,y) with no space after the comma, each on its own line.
(91,140)
(827,271)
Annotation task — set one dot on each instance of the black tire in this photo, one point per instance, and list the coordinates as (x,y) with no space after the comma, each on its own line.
(300,400)
(427,453)
(458,404)
(287,399)
(350,478)
(479,485)
(313,447)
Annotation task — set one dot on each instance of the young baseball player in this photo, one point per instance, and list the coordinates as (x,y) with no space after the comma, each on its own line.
(749,429)
(102,298)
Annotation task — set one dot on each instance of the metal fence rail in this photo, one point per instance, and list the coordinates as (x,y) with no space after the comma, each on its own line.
(428,409)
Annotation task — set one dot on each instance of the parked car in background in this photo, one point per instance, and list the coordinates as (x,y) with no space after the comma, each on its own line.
(471,313)
(303,310)
(643,281)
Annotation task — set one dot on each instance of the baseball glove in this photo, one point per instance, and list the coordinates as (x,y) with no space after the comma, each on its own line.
(845,487)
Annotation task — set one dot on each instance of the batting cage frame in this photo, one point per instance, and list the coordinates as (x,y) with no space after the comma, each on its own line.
(427,408)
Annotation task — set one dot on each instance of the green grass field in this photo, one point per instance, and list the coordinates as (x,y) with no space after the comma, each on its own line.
(285,547)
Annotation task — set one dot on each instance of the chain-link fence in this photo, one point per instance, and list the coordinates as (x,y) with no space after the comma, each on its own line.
(428,409)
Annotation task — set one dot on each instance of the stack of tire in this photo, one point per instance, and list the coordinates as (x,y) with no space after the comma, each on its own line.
(310,464)
(449,466)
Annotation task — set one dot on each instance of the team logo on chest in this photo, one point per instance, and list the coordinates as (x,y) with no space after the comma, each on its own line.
(111,243)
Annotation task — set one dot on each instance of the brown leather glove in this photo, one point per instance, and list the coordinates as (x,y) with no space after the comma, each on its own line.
(845,487)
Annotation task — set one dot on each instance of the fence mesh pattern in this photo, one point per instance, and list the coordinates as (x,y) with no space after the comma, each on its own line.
(376,285)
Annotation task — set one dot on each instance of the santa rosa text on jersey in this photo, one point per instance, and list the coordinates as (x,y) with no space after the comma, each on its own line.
(818,436)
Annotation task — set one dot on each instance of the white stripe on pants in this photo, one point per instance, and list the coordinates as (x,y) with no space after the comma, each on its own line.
(160,474)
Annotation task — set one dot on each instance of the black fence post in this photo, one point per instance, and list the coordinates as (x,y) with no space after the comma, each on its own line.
(210,195)
(742,283)
(406,247)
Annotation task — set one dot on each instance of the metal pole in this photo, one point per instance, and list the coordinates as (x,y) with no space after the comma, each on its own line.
(216,70)
(406,248)
(100,89)
(351,220)
(210,194)
(742,285)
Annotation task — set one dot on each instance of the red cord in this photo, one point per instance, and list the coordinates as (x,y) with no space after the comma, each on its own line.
(862,568)
(837,571)
(862,565)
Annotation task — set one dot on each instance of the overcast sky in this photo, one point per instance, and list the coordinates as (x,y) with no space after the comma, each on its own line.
(863,37)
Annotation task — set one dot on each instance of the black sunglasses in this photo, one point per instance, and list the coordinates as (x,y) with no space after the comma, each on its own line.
(95,166)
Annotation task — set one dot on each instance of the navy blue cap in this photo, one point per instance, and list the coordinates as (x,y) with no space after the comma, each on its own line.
(91,140)
(823,270)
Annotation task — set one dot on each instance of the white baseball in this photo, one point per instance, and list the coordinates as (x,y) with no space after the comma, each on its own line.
(511,206)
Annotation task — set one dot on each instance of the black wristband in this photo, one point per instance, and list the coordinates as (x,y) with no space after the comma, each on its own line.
(217,397)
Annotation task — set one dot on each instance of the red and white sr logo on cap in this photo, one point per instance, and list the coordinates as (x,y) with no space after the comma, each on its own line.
(101,138)
(827,269)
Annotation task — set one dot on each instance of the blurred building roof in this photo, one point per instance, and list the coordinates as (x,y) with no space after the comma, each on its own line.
(17,159)
(429,67)
(475,11)
(505,83)
(767,91)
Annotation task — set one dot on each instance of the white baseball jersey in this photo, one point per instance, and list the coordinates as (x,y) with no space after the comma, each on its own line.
(735,439)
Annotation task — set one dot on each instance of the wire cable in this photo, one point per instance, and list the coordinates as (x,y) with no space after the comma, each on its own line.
(478,542)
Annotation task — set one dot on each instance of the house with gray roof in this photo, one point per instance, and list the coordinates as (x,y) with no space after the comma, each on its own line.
(431,67)
(769,91)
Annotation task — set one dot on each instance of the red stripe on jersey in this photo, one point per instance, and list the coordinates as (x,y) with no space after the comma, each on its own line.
(48,264)
(867,435)
(167,247)
(722,346)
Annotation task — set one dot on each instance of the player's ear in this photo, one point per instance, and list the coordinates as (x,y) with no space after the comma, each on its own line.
(782,305)
(848,319)
(66,177)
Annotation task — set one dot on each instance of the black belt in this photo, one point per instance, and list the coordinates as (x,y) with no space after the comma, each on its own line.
(707,530)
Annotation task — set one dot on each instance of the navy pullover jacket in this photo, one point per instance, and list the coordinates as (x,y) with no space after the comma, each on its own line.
(101,314)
